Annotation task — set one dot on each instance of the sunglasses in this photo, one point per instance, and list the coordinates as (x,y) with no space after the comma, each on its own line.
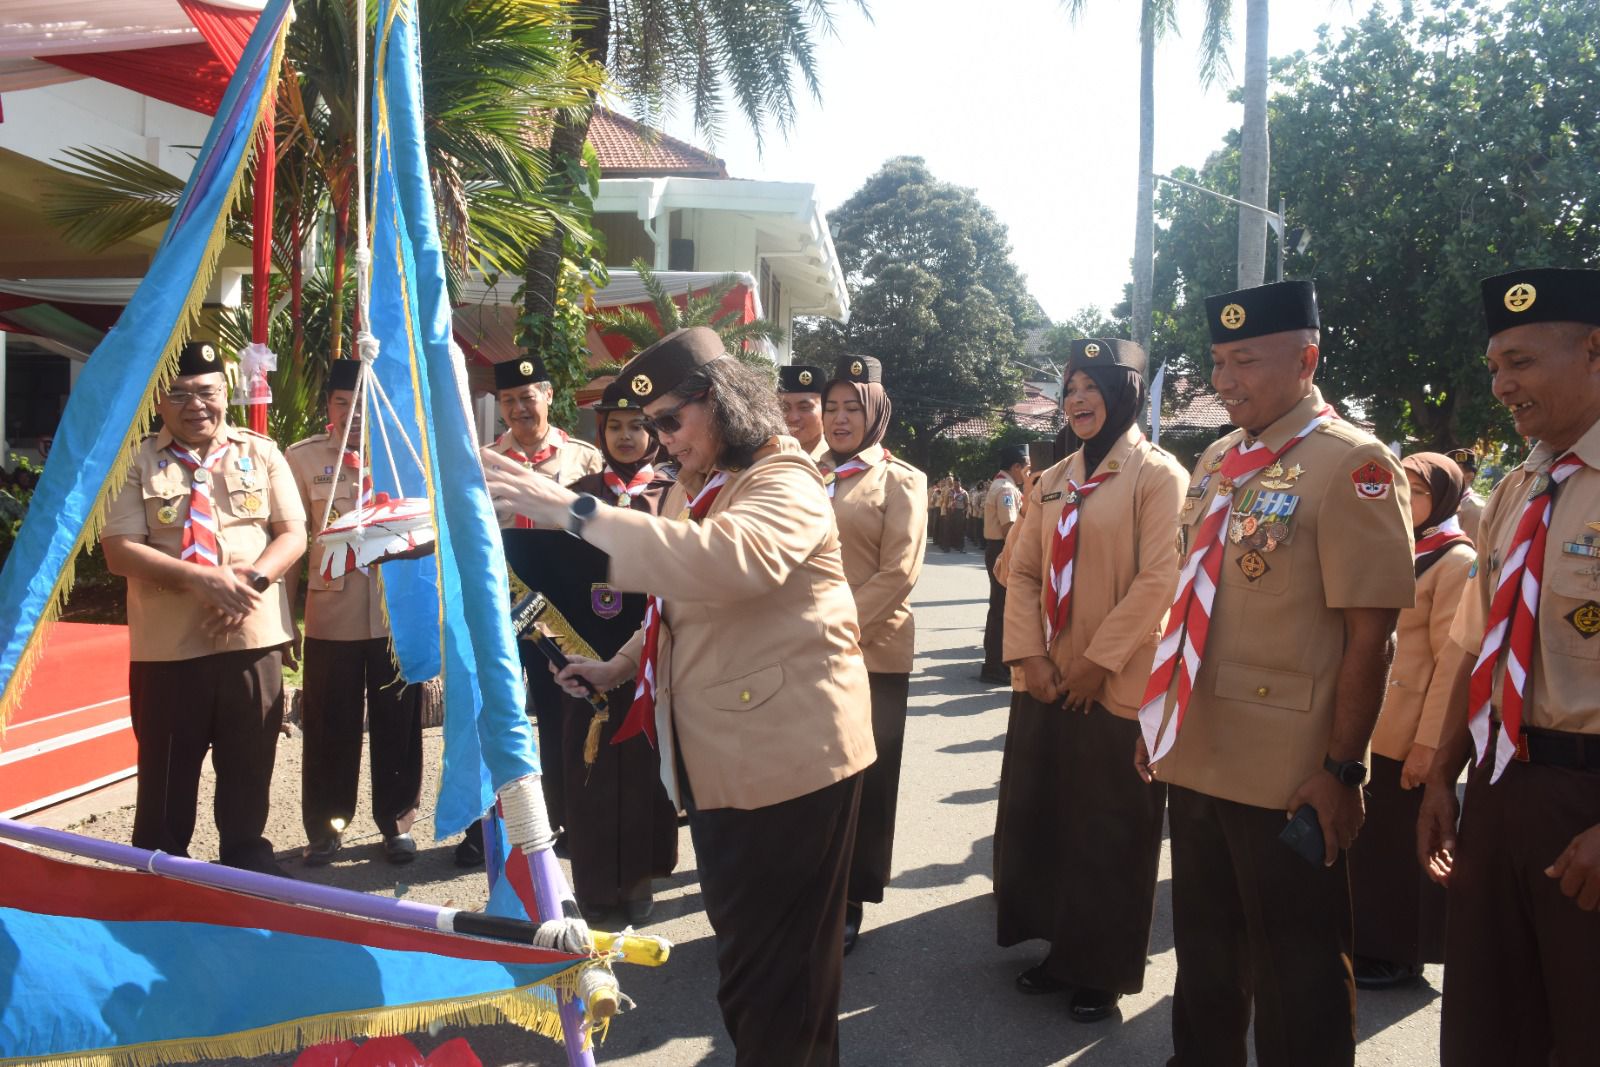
(668,421)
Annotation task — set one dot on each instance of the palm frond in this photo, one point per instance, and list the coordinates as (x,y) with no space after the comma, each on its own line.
(111,196)
(1215,35)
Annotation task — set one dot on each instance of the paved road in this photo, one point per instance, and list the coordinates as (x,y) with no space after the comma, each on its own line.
(927,985)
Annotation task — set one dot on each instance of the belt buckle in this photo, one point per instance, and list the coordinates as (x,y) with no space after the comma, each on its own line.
(1521,754)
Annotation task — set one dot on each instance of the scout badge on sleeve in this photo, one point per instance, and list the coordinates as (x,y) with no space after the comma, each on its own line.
(1372,480)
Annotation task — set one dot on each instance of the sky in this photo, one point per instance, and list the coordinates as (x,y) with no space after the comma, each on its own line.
(1037,113)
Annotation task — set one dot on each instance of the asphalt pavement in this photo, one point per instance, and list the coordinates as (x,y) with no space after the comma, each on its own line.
(927,985)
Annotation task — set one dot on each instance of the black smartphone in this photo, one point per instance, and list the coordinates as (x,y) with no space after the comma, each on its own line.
(1303,836)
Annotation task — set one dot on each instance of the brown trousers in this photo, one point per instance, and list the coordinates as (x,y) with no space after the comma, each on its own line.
(773,882)
(338,674)
(1077,844)
(994,626)
(873,857)
(1253,922)
(230,704)
(1399,911)
(1522,977)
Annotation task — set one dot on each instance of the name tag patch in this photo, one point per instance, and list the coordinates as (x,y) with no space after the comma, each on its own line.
(1050,496)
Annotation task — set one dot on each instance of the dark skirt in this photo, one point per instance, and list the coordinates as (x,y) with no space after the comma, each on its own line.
(1399,911)
(880,790)
(1077,844)
(621,827)
(773,881)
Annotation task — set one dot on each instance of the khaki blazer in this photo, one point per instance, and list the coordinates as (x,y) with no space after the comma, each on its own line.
(1419,681)
(251,490)
(1566,662)
(761,688)
(1124,573)
(1261,711)
(572,459)
(350,607)
(882,515)
(1000,507)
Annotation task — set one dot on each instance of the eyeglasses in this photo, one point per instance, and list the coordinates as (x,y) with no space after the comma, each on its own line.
(668,421)
(205,396)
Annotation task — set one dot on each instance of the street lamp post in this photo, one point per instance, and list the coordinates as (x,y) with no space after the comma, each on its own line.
(1279,223)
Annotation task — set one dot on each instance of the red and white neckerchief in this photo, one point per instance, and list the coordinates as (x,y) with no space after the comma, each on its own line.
(1513,620)
(1190,619)
(848,469)
(624,493)
(1438,540)
(552,441)
(1063,549)
(641,717)
(200,527)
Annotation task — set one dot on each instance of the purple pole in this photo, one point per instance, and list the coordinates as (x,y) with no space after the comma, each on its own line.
(550,892)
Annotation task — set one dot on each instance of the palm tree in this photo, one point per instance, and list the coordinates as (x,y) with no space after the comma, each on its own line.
(642,331)
(1155,18)
(487,67)
(1255,151)
(710,52)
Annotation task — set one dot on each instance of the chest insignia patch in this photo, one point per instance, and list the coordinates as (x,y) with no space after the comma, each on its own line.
(605,601)
(1253,565)
(1585,619)
(167,515)
(1373,481)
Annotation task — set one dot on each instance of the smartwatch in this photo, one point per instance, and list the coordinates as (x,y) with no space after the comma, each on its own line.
(1348,772)
(580,511)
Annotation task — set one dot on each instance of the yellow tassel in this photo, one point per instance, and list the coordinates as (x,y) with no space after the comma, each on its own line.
(591,743)
(534,1008)
(166,370)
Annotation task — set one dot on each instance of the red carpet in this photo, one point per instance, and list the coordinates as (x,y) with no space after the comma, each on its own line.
(71,733)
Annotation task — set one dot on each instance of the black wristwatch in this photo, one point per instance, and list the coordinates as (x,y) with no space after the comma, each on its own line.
(580,511)
(1348,772)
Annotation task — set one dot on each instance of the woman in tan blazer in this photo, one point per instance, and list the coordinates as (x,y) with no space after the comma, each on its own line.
(749,678)
(1399,912)
(880,506)
(1078,836)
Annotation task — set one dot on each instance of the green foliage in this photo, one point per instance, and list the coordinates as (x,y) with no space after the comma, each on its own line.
(1088,322)
(934,295)
(96,593)
(1424,152)
(641,330)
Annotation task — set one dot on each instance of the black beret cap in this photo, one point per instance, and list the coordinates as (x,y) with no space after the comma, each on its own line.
(618,397)
(863,370)
(662,367)
(343,374)
(1265,309)
(1087,352)
(1011,455)
(514,372)
(801,378)
(199,357)
(1541,294)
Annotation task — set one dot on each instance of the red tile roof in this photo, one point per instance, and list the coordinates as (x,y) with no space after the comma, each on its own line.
(629,149)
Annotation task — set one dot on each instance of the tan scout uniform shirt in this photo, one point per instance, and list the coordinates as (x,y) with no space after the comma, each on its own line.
(1261,711)
(1420,679)
(572,459)
(1566,663)
(1471,513)
(1124,573)
(350,607)
(167,624)
(1000,508)
(761,684)
(882,514)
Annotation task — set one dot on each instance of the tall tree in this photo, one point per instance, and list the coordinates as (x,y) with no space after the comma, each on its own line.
(1255,150)
(934,295)
(1426,152)
(704,51)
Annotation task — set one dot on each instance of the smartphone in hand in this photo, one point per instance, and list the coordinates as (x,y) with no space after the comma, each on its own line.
(1303,836)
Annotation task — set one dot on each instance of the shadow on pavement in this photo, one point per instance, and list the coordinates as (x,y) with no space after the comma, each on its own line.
(979,861)
(987,795)
(997,743)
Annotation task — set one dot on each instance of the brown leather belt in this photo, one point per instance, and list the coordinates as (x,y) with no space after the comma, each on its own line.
(1557,748)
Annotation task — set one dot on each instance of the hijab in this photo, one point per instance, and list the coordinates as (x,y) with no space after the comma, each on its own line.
(625,471)
(875,403)
(1124,393)
(1446,486)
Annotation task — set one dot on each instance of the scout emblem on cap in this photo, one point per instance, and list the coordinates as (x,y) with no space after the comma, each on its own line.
(805,376)
(167,515)
(1231,316)
(640,384)
(1372,481)
(208,353)
(1520,297)
(1091,350)
(856,367)
(622,401)
(1585,619)
(526,367)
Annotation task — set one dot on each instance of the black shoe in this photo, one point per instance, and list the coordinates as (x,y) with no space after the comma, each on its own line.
(639,909)
(1384,974)
(853,913)
(1035,982)
(321,853)
(399,848)
(1092,1005)
(470,852)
